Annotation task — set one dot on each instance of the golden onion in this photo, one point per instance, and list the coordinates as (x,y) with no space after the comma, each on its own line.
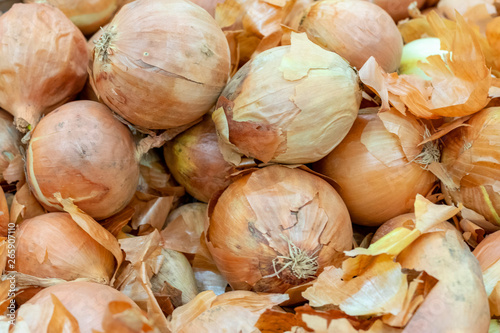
(357,30)
(83,152)
(44,71)
(277,228)
(160,64)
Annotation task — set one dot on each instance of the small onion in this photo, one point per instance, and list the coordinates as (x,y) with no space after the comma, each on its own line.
(88,15)
(398,9)
(195,161)
(83,152)
(44,71)
(471,156)
(378,175)
(161,64)
(10,142)
(87,302)
(277,228)
(356,30)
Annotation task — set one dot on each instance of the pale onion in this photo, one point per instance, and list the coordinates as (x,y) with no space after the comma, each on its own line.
(398,9)
(195,161)
(87,15)
(47,70)
(160,64)
(277,228)
(184,227)
(357,30)
(208,5)
(448,7)
(10,143)
(83,152)
(471,156)
(89,304)
(290,104)
(417,51)
(380,167)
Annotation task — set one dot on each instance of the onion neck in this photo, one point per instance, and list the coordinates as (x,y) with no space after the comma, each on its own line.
(25,119)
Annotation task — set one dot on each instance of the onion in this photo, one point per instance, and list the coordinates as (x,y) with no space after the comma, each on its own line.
(47,69)
(380,167)
(290,104)
(83,152)
(87,302)
(356,30)
(488,255)
(405,220)
(88,15)
(161,64)
(10,143)
(208,5)
(471,156)
(416,51)
(398,9)
(195,161)
(277,228)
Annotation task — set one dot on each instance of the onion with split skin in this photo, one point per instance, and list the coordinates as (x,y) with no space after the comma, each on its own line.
(160,64)
(83,152)
(276,228)
(27,89)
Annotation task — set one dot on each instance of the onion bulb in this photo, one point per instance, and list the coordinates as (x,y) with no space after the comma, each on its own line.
(356,30)
(10,143)
(88,303)
(83,152)
(398,9)
(87,15)
(290,104)
(471,156)
(195,161)
(380,167)
(277,228)
(416,51)
(160,64)
(44,71)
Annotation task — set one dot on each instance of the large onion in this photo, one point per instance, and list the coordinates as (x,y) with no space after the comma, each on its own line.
(276,228)
(380,167)
(161,64)
(44,71)
(10,142)
(88,15)
(356,30)
(471,156)
(83,152)
(290,104)
(398,9)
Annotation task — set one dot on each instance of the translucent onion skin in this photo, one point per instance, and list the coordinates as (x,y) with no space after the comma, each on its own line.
(253,220)
(87,15)
(471,156)
(398,9)
(47,70)
(161,64)
(10,142)
(83,152)
(195,161)
(377,180)
(356,30)
(87,302)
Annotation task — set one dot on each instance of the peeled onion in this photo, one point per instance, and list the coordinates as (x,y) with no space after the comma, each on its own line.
(356,30)
(88,15)
(161,64)
(290,104)
(47,69)
(10,142)
(417,51)
(83,152)
(398,9)
(380,167)
(277,228)
(471,156)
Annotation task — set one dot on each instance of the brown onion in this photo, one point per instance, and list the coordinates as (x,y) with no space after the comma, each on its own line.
(277,228)
(88,15)
(83,152)
(161,64)
(356,30)
(10,143)
(87,302)
(195,161)
(44,71)
(398,9)
(380,167)
(471,156)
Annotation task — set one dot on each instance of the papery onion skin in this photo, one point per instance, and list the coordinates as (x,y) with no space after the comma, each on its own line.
(161,64)
(83,152)
(10,142)
(297,13)
(87,302)
(380,183)
(28,88)
(488,253)
(471,155)
(398,9)
(356,30)
(195,161)
(449,7)
(261,212)
(416,51)
(405,220)
(87,15)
